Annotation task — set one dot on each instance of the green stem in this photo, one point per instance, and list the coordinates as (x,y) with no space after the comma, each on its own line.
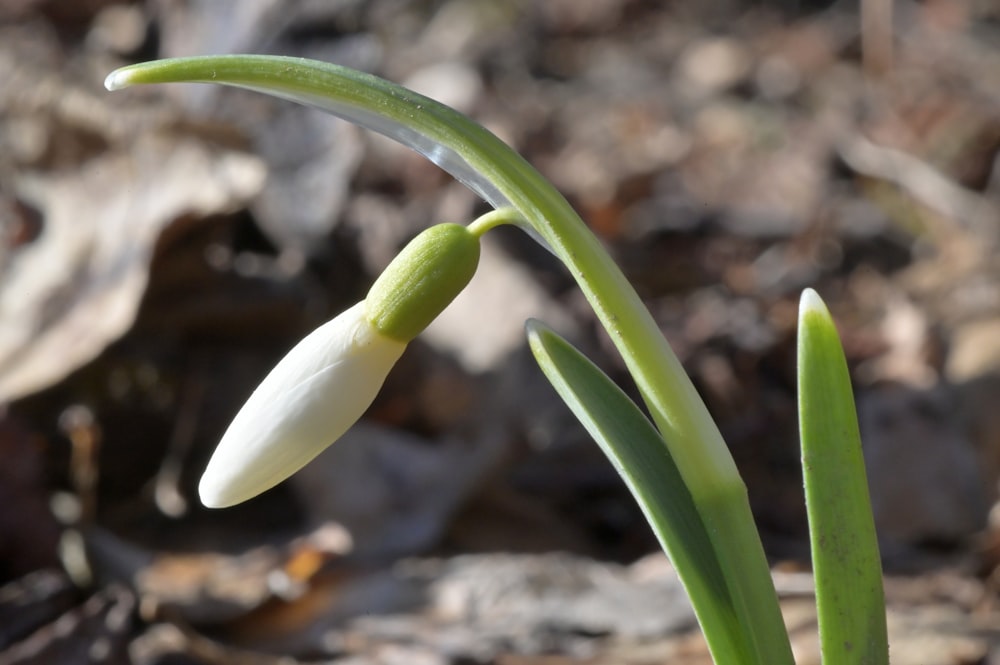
(493,219)
(505,179)
(674,404)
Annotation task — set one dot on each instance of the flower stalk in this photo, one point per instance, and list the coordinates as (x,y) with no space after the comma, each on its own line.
(739,613)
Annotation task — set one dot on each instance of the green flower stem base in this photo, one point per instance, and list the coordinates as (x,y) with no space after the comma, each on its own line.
(502,177)
(730,523)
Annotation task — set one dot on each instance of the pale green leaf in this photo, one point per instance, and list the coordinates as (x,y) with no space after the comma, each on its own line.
(849,595)
(642,459)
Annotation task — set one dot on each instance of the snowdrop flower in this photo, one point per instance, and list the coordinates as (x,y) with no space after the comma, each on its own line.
(324,384)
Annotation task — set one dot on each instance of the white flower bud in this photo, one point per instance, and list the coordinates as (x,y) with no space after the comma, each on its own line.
(317,391)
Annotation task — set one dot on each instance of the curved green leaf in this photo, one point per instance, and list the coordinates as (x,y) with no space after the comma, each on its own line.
(641,458)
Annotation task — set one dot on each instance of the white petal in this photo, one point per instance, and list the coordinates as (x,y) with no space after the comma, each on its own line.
(317,391)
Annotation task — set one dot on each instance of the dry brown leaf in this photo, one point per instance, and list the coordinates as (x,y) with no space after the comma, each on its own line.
(76,288)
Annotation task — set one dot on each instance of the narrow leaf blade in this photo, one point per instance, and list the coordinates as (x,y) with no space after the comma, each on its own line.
(642,459)
(846,564)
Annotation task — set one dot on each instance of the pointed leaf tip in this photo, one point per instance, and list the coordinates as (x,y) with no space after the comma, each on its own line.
(116,80)
(811,302)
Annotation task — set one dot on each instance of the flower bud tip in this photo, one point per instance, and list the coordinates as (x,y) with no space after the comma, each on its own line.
(314,395)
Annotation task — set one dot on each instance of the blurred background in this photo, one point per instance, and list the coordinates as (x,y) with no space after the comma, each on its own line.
(162,247)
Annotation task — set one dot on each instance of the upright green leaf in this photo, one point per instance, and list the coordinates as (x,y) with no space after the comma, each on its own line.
(849,595)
